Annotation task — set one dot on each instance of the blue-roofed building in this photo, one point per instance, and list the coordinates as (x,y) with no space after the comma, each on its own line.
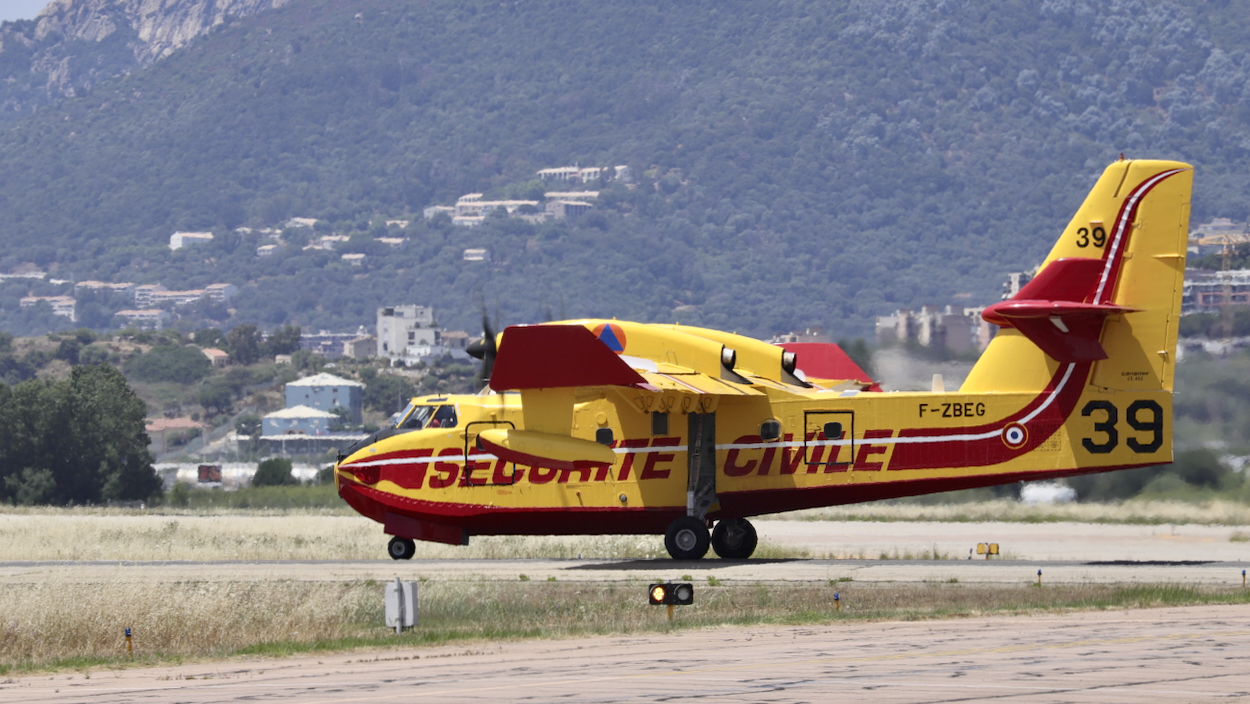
(325,392)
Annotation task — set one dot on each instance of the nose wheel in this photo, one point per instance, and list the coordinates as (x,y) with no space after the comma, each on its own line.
(401,548)
(687,539)
(734,538)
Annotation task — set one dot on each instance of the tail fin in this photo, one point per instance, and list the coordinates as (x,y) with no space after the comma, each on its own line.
(1109,292)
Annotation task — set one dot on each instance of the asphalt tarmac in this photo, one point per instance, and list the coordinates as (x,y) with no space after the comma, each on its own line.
(1193,572)
(1190,654)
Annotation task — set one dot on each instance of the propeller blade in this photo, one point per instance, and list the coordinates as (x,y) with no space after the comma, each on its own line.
(486,350)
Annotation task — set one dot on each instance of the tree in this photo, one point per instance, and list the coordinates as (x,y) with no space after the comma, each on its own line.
(80,440)
(387,393)
(283,340)
(181,365)
(215,395)
(248,424)
(109,421)
(68,350)
(208,337)
(32,486)
(244,344)
(275,471)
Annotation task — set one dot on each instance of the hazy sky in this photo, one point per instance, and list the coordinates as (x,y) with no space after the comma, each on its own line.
(21,9)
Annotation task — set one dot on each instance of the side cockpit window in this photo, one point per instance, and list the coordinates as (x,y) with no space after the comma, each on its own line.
(415,418)
(444,417)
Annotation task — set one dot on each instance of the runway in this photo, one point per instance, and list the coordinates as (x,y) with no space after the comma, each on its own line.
(1190,572)
(1192,654)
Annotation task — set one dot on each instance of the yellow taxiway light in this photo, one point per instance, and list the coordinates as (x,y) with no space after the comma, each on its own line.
(987,549)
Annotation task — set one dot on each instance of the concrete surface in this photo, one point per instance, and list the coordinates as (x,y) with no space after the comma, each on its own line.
(1191,654)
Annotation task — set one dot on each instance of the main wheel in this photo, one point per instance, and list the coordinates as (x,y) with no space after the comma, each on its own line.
(734,538)
(686,539)
(401,548)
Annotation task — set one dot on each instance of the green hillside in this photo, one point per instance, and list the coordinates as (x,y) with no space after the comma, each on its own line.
(798,162)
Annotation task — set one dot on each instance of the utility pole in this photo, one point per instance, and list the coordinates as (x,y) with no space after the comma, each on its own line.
(1226,299)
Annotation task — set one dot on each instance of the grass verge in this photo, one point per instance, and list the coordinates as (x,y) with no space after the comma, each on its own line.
(1135,512)
(81,626)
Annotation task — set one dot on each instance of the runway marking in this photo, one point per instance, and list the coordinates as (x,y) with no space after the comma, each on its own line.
(513,685)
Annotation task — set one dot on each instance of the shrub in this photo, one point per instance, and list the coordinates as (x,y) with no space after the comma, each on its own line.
(275,471)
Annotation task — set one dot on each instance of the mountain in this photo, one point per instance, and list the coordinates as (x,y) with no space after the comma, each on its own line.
(798,162)
(74,44)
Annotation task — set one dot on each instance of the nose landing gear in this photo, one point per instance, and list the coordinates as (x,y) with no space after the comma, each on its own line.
(401,548)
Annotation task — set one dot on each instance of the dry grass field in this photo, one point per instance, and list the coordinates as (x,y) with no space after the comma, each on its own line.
(1226,513)
(81,626)
(331,534)
(295,535)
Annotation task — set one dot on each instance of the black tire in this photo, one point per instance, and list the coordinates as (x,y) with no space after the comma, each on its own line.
(734,538)
(687,539)
(401,548)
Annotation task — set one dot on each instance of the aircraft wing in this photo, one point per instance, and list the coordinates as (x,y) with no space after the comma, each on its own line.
(557,356)
(535,357)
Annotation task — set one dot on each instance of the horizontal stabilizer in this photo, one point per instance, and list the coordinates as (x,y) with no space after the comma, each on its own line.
(1052,313)
(557,356)
(544,449)
(1075,341)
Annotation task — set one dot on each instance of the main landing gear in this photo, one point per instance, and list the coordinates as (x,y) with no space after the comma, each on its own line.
(687,539)
(734,539)
(401,548)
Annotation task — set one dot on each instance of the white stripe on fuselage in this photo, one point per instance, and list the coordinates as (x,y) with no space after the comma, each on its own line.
(762,444)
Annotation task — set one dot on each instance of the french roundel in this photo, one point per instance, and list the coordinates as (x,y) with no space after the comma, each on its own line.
(1015,435)
(612,336)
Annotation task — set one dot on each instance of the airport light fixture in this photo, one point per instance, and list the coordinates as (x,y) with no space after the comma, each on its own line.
(670,594)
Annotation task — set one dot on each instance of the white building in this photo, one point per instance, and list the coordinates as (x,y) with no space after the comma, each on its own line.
(153,319)
(405,331)
(410,334)
(577,174)
(103,286)
(178,240)
(61,305)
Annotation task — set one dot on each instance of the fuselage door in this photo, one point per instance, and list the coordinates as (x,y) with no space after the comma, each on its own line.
(480,467)
(829,439)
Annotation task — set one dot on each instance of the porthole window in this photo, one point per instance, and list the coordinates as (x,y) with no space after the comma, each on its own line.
(770,430)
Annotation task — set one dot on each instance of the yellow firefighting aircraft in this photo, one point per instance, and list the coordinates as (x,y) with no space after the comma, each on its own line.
(611,427)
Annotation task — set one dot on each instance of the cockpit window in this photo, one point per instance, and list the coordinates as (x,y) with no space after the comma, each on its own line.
(415,417)
(444,417)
